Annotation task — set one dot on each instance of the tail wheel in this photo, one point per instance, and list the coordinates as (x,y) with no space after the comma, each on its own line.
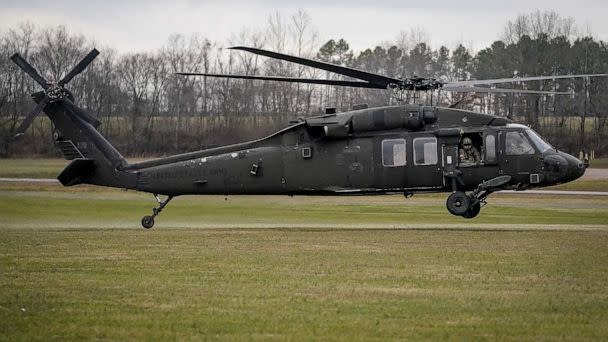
(473,210)
(458,203)
(147,222)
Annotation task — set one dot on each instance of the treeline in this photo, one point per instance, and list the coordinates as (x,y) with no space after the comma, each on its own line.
(147,110)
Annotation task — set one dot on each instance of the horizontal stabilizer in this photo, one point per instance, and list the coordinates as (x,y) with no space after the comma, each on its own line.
(76,172)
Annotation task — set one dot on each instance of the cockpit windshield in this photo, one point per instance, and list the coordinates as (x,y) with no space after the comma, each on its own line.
(538,141)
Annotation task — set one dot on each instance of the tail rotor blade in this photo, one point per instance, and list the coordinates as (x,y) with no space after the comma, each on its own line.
(79,67)
(30,70)
(30,118)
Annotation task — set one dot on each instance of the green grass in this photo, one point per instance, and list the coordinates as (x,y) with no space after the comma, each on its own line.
(74,264)
(31,168)
(34,167)
(583,185)
(124,209)
(299,284)
(600,163)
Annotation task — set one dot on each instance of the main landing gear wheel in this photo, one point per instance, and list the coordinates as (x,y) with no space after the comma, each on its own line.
(458,203)
(148,221)
(473,210)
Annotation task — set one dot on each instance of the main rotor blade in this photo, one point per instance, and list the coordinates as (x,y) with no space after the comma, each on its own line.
(517,79)
(381,82)
(356,84)
(30,70)
(31,116)
(502,90)
(79,67)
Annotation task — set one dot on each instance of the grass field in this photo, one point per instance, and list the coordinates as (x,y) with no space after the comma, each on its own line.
(583,185)
(281,284)
(600,163)
(88,206)
(74,264)
(32,168)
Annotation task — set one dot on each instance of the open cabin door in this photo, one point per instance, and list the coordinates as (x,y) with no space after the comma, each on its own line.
(490,155)
(467,175)
(486,168)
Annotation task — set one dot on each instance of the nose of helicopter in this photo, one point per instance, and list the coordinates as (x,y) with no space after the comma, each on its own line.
(561,167)
(576,168)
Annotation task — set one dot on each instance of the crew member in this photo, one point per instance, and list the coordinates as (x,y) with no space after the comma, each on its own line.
(469,153)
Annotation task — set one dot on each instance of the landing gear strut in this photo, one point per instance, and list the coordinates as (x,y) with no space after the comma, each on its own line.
(468,206)
(474,209)
(148,221)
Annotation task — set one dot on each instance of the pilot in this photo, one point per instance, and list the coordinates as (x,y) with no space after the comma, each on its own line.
(468,153)
(518,146)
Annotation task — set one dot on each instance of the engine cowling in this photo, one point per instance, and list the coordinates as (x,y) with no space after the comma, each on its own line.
(393,118)
(411,117)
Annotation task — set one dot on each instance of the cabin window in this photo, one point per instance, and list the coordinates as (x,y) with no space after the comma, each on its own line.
(425,151)
(393,152)
(517,144)
(490,148)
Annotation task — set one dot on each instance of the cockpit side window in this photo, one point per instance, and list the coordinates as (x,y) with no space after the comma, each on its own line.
(517,144)
(538,141)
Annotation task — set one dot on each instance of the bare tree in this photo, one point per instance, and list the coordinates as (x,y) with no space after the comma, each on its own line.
(145,109)
(408,39)
(539,22)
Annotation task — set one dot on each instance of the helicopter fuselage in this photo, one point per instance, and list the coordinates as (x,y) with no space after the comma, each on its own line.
(355,153)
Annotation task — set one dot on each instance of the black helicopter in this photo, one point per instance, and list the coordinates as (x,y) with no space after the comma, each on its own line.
(393,149)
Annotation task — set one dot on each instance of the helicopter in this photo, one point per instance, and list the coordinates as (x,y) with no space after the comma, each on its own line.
(406,148)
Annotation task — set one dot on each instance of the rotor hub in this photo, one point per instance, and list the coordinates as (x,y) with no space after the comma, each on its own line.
(55,92)
(420,84)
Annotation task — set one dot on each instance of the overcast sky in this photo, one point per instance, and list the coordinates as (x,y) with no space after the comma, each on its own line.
(145,25)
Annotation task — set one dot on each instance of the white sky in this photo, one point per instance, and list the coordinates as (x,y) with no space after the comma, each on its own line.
(145,25)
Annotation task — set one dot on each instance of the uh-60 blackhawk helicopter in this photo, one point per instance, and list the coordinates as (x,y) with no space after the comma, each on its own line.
(393,149)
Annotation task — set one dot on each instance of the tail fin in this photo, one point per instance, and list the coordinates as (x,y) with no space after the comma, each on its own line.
(95,160)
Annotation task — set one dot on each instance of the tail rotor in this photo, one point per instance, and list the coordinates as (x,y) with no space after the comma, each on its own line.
(53,92)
